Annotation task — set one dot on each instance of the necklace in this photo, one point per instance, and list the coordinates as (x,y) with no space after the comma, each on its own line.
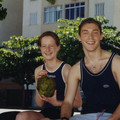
(93,68)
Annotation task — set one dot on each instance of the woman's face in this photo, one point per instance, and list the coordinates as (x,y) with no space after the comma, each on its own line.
(49,48)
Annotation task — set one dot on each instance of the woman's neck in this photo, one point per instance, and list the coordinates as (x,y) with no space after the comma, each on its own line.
(52,65)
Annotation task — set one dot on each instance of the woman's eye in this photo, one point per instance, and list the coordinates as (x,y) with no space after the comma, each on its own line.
(85,32)
(51,46)
(43,46)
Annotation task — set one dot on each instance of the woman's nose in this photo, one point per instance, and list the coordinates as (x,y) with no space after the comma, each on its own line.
(48,48)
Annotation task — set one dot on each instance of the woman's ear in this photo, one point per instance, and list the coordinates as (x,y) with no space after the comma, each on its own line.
(58,47)
(79,38)
(40,48)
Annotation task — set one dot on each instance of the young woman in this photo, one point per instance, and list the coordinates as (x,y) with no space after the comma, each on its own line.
(50,45)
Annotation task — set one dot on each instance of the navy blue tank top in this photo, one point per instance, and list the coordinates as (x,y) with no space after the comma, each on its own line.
(101,91)
(60,85)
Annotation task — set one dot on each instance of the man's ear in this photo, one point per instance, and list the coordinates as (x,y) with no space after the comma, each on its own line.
(101,37)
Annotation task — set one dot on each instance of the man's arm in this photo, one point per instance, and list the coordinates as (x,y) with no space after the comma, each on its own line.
(116,114)
(72,87)
(116,73)
(78,100)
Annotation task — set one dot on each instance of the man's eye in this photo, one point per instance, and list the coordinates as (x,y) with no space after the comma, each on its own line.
(95,33)
(84,33)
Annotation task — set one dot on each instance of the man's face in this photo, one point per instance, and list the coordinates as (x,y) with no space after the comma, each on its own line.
(90,36)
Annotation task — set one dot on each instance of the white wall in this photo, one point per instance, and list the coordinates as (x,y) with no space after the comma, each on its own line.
(117,13)
(12,24)
(31,7)
(108,9)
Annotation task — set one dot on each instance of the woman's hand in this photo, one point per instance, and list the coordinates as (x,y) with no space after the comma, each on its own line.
(52,100)
(40,74)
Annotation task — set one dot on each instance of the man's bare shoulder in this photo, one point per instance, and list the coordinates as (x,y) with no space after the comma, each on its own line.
(116,60)
(75,71)
(75,67)
(117,57)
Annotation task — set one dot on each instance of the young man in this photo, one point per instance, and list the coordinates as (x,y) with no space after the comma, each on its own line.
(99,74)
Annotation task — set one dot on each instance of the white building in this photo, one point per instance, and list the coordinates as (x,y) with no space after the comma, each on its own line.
(68,9)
(40,15)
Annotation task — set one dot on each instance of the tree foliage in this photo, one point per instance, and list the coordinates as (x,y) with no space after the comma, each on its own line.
(3,11)
(51,1)
(18,59)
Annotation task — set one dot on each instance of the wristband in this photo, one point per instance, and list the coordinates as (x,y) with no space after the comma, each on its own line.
(64,118)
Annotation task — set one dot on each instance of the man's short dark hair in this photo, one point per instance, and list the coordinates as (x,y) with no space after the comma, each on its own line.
(90,20)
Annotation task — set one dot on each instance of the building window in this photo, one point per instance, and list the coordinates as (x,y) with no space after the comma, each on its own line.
(52,14)
(72,11)
(33,18)
(99,9)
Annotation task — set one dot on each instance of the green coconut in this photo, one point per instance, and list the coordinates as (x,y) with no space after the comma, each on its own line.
(46,86)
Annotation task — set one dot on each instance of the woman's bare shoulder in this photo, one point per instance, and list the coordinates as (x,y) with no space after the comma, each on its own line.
(67,66)
(38,68)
